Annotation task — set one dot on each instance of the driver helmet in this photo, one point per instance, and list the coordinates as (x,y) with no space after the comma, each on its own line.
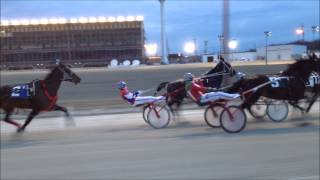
(57,61)
(121,85)
(240,75)
(188,77)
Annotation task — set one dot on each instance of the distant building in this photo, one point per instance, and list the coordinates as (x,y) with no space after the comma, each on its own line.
(233,56)
(282,52)
(207,58)
(243,56)
(275,52)
(86,41)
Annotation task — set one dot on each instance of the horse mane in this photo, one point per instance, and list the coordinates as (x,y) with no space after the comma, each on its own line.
(296,67)
(50,74)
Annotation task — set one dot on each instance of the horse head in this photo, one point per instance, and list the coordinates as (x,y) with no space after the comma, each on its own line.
(68,74)
(302,68)
(222,67)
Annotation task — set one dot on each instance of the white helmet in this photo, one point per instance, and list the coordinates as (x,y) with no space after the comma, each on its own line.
(188,77)
(240,75)
(121,85)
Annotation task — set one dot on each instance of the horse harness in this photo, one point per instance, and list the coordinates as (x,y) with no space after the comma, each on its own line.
(52,99)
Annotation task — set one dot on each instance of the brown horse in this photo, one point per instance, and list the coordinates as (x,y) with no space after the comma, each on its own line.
(290,85)
(42,95)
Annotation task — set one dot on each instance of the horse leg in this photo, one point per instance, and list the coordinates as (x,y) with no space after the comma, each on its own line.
(295,105)
(32,114)
(247,103)
(7,118)
(170,105)
(70,121)
(173,109)
(63,109)
(314,98)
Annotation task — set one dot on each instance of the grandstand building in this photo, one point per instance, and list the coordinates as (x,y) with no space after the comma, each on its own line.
(86,41)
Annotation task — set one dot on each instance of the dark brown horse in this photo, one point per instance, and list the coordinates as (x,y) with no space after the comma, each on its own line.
(42,95)
(290,85)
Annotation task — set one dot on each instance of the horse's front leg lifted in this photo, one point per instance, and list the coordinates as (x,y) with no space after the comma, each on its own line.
(70,121)
(32,114)
(63,109)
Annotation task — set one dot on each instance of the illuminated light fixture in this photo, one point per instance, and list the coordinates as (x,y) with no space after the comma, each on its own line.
(83,20)
(92,19)
(299,31)
(53,21)
(111,19)
(73,20)
(43,21)
(120,19)
(139,18)
(102,19)
(189,47)
(15,22)
(5,23)
(151,49)
(233,44)
(62,21)
(34,21)
(130,18)
(25,22)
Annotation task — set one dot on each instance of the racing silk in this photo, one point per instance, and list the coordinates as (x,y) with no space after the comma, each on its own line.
(127,95)
(135,100)
(201,94)
(195,90)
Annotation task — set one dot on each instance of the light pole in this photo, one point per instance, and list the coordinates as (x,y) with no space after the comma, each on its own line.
(226,29)
(314,30)
(190,48)
(221,43)
(300,31)
(164,58)
(267,35)
(205,50)
(151,49)
(233,44)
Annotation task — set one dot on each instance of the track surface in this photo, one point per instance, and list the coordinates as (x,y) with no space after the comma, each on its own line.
(122,146)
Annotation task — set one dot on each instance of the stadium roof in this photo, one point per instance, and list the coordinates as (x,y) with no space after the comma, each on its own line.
(44,21)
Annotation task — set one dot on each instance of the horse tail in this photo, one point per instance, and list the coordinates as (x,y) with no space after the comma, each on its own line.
(161,86)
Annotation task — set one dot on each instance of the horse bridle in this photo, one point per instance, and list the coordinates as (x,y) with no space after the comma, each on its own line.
(69,76)
(230,68)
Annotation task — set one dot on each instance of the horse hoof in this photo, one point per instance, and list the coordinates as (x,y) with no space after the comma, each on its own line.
(20,130)
(70,122)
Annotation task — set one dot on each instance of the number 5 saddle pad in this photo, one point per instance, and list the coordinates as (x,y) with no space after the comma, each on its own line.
(278,82)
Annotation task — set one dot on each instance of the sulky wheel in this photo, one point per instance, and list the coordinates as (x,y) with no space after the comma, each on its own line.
(233,119)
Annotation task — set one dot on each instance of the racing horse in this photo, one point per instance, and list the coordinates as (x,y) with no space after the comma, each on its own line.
(312,88)
(289,85)
(39,95)
(213,78)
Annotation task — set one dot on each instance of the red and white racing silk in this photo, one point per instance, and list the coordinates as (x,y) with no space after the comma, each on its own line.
(127,95)
(197,92)
(135,99)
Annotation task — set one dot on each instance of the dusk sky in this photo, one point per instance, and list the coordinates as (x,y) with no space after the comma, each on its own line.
(185,20)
